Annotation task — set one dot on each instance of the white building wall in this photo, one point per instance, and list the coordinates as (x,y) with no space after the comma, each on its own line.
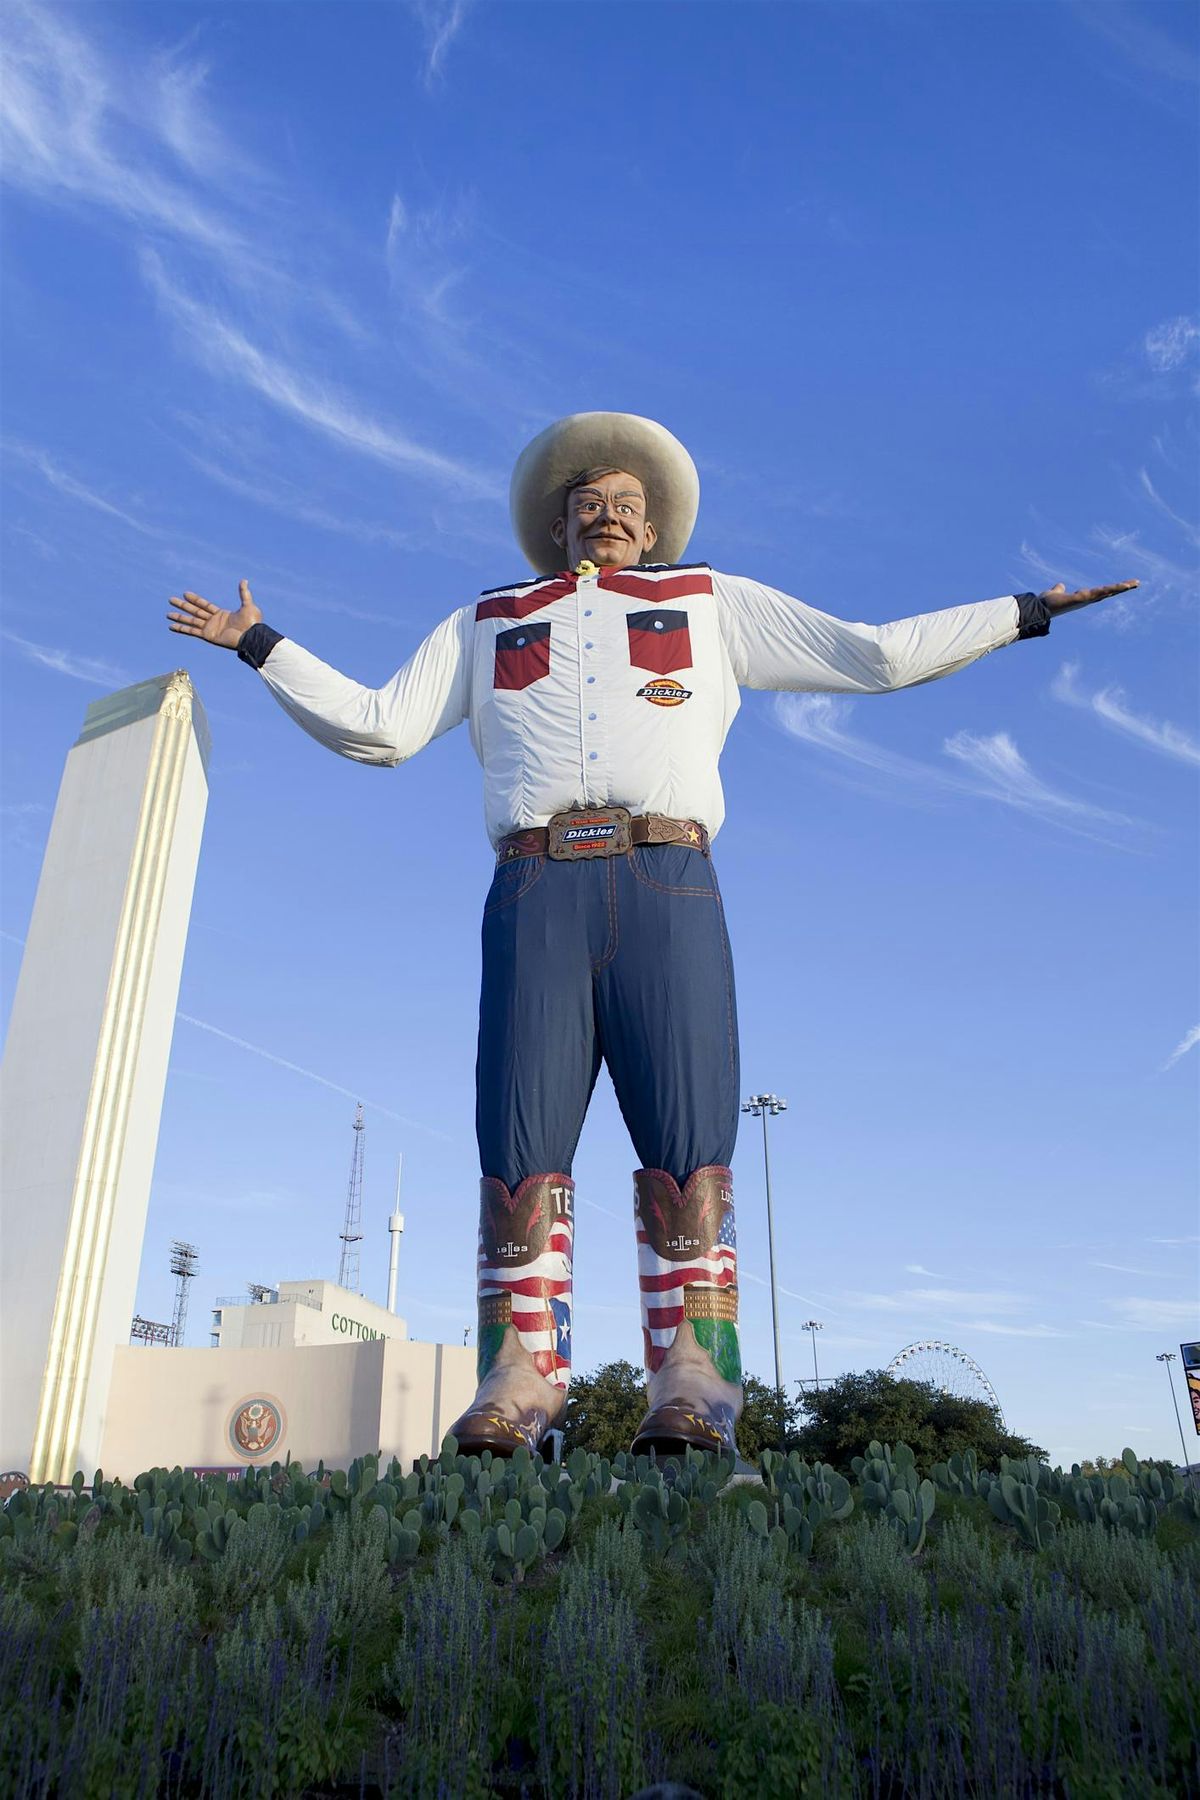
(335,1402)
(85,1063)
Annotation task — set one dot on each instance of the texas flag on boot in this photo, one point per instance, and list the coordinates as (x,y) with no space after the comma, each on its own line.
(525,1246)
(687,1254)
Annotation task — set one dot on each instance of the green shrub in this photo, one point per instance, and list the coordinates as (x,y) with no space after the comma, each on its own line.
(871,1570)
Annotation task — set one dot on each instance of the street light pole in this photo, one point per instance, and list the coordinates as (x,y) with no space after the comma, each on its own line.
(813,1326)
(1168,1357)
(762,1106)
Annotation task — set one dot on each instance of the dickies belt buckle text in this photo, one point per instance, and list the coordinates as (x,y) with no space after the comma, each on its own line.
(598,831)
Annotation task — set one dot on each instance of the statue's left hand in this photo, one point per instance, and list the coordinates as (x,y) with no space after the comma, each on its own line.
(1059,601)
(197,617)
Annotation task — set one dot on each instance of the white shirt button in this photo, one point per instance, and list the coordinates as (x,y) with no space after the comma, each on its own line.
(592,755)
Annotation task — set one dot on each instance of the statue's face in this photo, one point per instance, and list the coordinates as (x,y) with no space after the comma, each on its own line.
(606,522)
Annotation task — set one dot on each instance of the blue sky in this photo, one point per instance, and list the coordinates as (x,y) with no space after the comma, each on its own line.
(289,287)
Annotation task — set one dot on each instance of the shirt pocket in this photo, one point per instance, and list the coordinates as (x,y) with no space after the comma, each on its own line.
(522,655)
(659,640)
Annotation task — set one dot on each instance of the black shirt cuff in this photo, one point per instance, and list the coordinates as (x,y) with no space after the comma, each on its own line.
(257,644)
(1033,616)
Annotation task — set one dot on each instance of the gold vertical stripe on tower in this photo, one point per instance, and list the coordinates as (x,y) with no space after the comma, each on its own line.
(97,1175)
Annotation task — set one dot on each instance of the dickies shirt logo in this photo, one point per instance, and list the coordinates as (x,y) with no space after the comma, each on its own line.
(664,692)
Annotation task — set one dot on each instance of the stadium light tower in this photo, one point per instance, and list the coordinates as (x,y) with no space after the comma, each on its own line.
(812,1326)
(764,1106)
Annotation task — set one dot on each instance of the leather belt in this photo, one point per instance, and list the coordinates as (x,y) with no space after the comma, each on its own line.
(600,831)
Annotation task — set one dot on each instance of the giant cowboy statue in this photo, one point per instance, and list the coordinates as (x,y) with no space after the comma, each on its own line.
(598,697)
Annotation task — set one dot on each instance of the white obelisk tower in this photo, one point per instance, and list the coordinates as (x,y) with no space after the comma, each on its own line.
(86,1064)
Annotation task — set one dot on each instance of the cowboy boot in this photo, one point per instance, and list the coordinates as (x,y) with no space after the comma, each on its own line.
(687,1272)
(524,1337)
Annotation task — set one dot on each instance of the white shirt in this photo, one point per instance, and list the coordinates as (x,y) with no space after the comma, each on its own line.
(617,688)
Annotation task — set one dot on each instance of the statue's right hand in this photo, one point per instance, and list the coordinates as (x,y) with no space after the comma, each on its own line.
(198,617)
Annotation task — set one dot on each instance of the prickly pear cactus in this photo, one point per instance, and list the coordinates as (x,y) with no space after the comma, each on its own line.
(1019,1504)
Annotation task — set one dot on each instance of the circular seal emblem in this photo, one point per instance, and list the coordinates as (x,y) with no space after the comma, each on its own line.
(13,1481)
(666,691)
(256,1426)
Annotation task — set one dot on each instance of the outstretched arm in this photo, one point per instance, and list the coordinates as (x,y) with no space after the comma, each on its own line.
(383,725)
(777,642)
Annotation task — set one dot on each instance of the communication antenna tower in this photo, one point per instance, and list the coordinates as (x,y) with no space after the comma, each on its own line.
(183,1267)
(352,1229)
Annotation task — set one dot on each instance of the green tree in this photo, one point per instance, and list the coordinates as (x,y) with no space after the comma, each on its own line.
(841,1418)
(604,1409)
(769,1421)
(1115,1465)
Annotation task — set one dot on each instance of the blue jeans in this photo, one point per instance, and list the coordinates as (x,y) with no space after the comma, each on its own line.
(624,958)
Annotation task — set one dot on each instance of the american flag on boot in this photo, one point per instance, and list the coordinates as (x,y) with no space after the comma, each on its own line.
(687,1254)
(525,1247)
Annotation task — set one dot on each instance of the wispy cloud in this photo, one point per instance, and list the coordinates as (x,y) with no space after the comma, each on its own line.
(1138,561)
(917,1269)
(1111,707)
(225,349)
(440,22)
(997,770)
(1173,344)
(286,499)
(79,127)
(1176,1241)
(67,484)
(941,1300)
(282,1062)
(433,250)
(1004,775)
(1140,40)
(1110,553)
(1017,1331)
(822,721)
(1140,1314)
(1125,1269)
(131,139)
(1190,531)
(1188,1042)
(1060,568)
(64,661)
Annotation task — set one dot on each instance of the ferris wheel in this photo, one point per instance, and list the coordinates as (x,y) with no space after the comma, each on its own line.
(948,1369)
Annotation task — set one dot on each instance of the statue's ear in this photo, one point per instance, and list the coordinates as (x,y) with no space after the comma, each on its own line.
(558,531)
(651,536)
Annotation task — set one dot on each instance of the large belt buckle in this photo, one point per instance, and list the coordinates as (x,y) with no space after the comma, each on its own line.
(593,831)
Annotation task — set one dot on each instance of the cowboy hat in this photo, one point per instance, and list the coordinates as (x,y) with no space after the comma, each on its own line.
(608,440)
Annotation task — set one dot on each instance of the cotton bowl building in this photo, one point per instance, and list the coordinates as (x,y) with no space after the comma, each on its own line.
(304,1371)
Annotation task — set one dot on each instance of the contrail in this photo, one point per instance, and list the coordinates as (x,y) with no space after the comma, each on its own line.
(282,1063)
(596,1207)
(1185,1044)
(790,1292)
(311,1075)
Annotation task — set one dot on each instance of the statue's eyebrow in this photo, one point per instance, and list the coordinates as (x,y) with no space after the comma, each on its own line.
(621,494)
